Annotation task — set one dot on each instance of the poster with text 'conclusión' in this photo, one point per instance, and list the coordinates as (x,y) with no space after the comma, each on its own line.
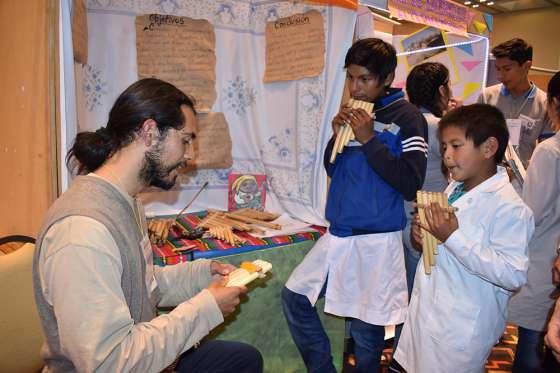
(295,47)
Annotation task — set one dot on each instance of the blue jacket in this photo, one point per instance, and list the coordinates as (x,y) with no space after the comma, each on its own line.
(369,182)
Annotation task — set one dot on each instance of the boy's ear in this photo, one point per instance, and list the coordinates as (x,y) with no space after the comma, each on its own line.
(389,79)
(490,147)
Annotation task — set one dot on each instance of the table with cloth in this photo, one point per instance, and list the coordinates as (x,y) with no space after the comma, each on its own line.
(259,320)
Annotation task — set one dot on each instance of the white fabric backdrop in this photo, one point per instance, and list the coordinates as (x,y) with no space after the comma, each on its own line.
(278,129)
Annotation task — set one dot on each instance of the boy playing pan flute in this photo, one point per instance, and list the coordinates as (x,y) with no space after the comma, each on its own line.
(362,254)
(458,312)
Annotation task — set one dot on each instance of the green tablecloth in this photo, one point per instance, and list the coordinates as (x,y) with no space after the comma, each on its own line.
(260,321)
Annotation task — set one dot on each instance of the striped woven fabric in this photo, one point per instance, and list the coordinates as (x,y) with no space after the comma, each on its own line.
(177,249)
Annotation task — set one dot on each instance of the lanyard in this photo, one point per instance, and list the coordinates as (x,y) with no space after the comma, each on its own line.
(522,104)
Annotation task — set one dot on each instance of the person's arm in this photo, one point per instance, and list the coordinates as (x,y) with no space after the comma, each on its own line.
(81,278)
(406,172)
(181,281)
(540,189)
(503,260)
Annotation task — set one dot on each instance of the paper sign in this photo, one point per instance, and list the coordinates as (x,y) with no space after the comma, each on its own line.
(514,127)
(246,191)
(212,144)
(79,31)
(179,50)
(442,14)
(295,47)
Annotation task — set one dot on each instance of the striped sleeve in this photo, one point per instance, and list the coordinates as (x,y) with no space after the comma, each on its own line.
(415,143)
(406,172)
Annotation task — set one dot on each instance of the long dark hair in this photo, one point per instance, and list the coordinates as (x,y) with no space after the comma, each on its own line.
(146,99)
(422,86)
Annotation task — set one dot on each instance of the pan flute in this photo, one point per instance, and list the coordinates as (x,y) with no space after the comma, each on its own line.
(429,242)
(345,134)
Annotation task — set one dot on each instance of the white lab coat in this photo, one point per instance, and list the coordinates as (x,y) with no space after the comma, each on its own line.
(366,277)
(530,308)
(457,313)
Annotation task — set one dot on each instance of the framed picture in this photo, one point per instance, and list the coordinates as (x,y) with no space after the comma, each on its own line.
(427,37)
(246,191)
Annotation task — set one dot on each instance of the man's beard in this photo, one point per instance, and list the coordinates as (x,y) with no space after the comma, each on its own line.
(154,173)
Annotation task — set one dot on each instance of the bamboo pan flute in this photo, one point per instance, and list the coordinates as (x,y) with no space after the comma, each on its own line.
(429,242)
(345,134)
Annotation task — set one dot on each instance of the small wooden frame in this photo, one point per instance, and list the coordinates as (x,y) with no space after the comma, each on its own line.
(345,135)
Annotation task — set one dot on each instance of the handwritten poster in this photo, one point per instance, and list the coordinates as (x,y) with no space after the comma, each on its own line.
(79,31)
(212,145)
(295,47)
(443,14)
(179,50)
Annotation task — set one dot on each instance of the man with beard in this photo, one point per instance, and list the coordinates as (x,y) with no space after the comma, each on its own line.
(96,287)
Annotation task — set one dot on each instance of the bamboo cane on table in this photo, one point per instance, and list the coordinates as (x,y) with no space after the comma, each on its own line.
(255,221)
(166,230)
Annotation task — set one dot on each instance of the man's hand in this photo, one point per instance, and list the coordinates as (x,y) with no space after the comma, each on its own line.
(217,268)
(416,233)
(437,224)
(556,271)
(552,338)
(227,298)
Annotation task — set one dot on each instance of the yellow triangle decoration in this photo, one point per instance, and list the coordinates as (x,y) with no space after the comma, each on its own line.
(480,27)
(470,88)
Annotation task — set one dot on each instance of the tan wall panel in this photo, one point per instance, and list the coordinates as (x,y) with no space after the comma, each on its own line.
(25,131)
(540,79)
(537,27)
(383,26)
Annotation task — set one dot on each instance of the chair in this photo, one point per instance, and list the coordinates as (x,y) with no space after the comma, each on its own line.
(21,333)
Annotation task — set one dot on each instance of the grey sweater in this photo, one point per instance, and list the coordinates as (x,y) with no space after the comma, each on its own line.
(92,197)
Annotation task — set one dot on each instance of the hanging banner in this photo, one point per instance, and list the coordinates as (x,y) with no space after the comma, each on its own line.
(350,4)
(443,14)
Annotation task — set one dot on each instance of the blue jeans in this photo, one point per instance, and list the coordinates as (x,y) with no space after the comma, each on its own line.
(221,357)
(531,355)
(313,343)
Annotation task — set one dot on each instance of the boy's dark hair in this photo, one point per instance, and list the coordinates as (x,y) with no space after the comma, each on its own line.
(146,99)
(422,86)
(514,49)
(553,90)
(378,57)
(480,122)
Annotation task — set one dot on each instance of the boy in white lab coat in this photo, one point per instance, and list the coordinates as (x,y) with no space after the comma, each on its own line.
(458,312)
